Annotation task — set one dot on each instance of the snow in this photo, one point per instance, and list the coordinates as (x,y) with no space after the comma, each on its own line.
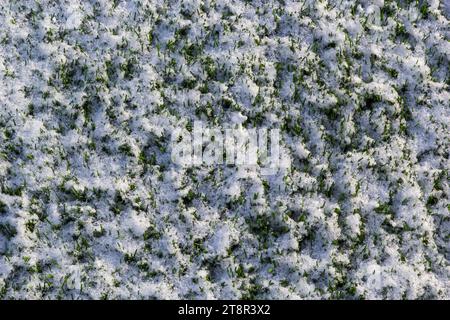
(93,205)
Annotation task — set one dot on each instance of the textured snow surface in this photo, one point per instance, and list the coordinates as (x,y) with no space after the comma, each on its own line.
(91,205)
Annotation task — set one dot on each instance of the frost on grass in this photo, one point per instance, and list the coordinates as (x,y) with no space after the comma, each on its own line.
(91,205)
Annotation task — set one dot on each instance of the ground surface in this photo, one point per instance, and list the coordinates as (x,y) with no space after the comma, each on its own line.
(91,205)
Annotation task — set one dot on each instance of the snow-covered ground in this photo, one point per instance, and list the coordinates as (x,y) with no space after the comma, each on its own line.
(92,205)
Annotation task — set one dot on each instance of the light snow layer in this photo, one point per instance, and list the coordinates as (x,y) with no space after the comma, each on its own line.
(91,205)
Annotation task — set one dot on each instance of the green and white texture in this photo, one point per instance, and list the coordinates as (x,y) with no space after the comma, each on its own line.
(92,207)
